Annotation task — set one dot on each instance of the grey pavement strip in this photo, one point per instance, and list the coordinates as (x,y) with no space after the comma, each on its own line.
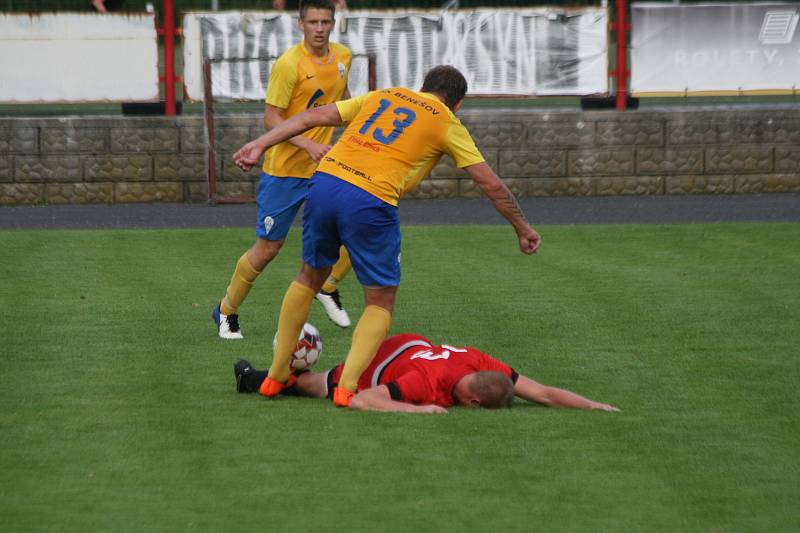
(782,207)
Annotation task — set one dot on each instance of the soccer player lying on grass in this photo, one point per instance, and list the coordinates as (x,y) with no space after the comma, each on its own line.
(411,374)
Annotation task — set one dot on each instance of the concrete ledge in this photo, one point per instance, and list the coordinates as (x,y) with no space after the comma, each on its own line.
(538,152)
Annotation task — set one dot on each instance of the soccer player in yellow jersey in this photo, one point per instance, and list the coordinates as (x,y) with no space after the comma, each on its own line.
(393,136)
(308,75)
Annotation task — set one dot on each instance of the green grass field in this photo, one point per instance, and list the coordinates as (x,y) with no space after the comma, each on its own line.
(118,410)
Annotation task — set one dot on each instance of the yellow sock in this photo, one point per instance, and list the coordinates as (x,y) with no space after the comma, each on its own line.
(370,331)
(339,271)
(294,313)
(241,282)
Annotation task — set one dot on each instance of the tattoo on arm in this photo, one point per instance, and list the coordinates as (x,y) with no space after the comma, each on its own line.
(511,204)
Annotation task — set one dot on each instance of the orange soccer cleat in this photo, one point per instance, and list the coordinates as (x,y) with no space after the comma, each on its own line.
(342,397)
(271,387)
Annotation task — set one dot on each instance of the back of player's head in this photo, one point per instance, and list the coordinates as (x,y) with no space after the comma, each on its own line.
(493,389)
(447,82)
(305,5)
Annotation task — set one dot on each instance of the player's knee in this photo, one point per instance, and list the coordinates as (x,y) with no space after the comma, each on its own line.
(264,251)
(381,297)
(313,277)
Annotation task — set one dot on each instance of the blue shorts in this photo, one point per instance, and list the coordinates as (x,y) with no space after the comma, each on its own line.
(337,213)
(278,200)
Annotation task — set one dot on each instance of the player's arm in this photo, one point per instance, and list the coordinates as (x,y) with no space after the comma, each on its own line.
(249,154)
(506,204)
(274,116)
(379,399)
(530,390)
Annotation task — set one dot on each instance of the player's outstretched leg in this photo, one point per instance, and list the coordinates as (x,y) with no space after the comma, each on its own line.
(307,383)
(329,295)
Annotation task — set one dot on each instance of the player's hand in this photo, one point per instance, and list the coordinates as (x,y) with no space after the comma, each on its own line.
(248,155)
(434,409)
(317,150)
(529,240)
(605,407)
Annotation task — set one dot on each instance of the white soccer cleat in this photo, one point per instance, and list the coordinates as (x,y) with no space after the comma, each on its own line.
(333,307)
(227,325)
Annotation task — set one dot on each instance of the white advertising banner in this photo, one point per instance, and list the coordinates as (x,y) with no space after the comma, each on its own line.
(715,48)
(500,51)
(71,57)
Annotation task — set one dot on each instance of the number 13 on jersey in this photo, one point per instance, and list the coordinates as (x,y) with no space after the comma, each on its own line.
(404,117)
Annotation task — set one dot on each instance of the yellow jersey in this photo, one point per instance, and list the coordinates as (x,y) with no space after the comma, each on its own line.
(298,81)
(393,139)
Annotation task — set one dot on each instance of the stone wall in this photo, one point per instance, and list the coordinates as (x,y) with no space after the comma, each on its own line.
(537,152)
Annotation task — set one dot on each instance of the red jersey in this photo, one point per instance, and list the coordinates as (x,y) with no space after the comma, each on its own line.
(419,372)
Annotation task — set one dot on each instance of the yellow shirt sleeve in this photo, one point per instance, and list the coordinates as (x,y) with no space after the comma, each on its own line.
(282,78)
(460,146)
(348,109)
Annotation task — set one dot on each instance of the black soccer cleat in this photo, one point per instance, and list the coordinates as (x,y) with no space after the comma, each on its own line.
(244,371)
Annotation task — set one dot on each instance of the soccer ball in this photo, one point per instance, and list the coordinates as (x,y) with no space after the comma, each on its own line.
(307,350)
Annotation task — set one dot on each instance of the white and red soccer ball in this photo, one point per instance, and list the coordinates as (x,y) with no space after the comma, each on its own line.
(307,350)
